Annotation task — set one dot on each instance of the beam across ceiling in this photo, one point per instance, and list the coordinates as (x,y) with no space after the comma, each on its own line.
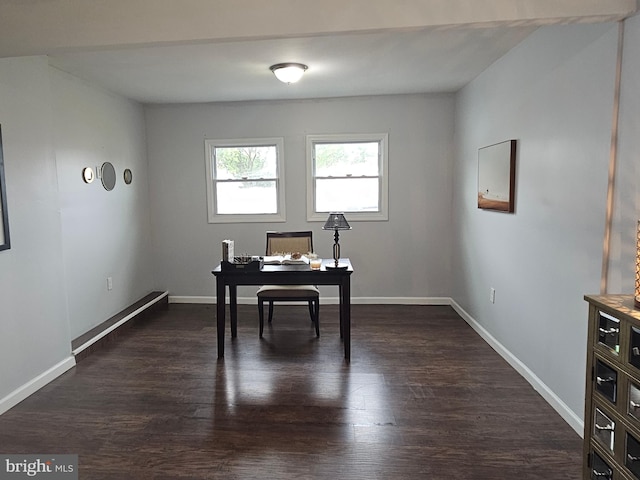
(55,26)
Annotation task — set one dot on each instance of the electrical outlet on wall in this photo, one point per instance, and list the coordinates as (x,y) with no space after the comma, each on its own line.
(109,283)
(492,295)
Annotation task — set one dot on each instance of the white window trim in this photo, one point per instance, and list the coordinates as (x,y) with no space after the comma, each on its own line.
(212,216)
(383,139)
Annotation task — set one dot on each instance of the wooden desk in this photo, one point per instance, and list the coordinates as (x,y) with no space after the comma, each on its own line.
(283,275)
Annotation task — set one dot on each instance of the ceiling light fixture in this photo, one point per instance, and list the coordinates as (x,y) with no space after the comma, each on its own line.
(288,72)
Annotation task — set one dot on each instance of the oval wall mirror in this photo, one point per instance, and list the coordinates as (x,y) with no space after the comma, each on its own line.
(108,176)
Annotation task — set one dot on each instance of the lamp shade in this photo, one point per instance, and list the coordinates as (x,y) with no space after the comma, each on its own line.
(336,221)
(288,72)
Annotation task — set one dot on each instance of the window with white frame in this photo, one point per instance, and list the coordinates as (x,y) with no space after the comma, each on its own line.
(245,180)
(347,173)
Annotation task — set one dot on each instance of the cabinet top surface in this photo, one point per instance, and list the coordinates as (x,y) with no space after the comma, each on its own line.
(621,303)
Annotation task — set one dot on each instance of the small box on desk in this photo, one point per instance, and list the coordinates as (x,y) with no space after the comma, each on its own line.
(253,265)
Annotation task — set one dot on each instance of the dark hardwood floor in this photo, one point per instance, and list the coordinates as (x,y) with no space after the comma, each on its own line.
(423,398)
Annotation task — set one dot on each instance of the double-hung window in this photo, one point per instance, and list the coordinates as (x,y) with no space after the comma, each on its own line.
(347,173)
(245,180)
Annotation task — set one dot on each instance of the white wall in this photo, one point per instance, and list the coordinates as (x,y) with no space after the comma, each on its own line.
(554,94)
(66,236)
(627,198)
(407,256)
(34,329)
(104,233)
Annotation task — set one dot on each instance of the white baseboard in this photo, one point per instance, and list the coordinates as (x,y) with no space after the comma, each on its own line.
(552,399)
(192,299)
(36,384)
(327,300)
(397,301)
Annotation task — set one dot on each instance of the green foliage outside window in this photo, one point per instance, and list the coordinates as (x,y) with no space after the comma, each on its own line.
(346,158)
(241,162)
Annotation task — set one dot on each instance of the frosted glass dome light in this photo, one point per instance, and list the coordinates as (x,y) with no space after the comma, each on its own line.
(288,72)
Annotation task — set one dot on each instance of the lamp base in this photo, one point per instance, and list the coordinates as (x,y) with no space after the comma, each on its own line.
(333,266)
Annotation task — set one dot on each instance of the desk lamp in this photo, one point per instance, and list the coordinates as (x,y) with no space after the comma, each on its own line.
(336,221)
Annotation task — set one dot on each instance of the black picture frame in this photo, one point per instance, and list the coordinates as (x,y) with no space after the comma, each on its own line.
(5,242)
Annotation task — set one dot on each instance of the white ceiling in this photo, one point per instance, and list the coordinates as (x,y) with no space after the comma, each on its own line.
(382,54)
(339,65)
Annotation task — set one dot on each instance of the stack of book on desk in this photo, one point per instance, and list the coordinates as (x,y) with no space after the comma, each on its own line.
(227,251)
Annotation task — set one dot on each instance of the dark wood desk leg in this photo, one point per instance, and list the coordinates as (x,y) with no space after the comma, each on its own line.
(345,308)
(340,311)
(233,309)
(220,300)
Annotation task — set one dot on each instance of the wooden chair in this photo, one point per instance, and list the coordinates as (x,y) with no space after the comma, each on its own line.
(281,243)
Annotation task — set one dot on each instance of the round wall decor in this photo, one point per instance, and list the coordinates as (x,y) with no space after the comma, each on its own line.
(108,176)
(87,175)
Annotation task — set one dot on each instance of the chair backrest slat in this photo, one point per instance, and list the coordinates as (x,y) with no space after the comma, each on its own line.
(289,242)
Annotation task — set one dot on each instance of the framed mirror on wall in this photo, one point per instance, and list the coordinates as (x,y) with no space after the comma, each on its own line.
(108,175)
(5,244)
(497,176)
